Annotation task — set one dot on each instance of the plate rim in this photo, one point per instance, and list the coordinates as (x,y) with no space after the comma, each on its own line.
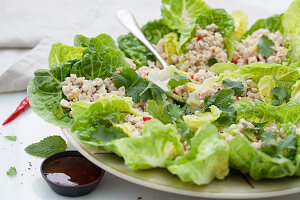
(168,189)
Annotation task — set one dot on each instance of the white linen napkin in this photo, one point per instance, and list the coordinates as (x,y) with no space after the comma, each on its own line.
(25,23)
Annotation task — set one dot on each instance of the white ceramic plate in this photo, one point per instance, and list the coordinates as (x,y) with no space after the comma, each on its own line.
(233,187)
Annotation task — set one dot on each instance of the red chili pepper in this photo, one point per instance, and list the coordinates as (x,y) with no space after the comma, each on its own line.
(235,60)
(21,108)
(192,76)
(237,98)
(174,92)
(146,118)
(199,37)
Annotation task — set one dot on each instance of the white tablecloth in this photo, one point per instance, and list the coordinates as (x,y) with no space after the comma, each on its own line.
(29,128)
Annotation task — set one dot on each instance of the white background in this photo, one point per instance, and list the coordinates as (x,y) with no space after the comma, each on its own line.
(28,128)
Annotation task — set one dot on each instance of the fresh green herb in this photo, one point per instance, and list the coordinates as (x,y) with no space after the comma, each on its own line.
(279,148)
(178,80)
(222,99)
(212,61)
(169,113)
(264,46)
(250,133)
(10,137)
(136,87)
(47,147)
(279,94)
(188,110)
(11,172)
(260,125)
(237,86)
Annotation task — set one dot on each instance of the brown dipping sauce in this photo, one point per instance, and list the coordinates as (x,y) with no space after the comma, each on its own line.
(71,171)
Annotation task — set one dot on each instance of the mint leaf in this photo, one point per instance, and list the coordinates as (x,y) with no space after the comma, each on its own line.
(10,137)
(12,171)
(279,94)
(47,147)
(264,46)
(237,86)
(178,80)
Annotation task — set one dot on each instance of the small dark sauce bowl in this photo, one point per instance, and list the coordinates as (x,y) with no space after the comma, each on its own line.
(70,191)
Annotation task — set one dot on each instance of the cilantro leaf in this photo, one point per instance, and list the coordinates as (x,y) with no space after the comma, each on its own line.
(47,147)
(237,86)
(12,171)
(279,94)
(253,133)
(279,148)
(178,80)
(250,133)
(174,110)
(288,146)
(223,100)
(169,113)
(136,87)
(11,137)
(264,46)
(212,61)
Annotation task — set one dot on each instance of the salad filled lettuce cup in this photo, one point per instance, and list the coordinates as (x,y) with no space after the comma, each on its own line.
(228,99)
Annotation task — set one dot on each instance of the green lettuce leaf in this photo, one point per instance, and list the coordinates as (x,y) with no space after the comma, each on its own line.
(134,49)
(292,27)
(81,41)
(291,23)
(273,24)
(155,30)
(296,90)
(95,126)
(219,68)
(265,85)
(217,16)
(286,75)
(158,143)
(297,158)
(60,53)
(45,93)
(100,59)
(195,121)
(257,164)
(170,46)
(259,112)
(207,159)
(180,9)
